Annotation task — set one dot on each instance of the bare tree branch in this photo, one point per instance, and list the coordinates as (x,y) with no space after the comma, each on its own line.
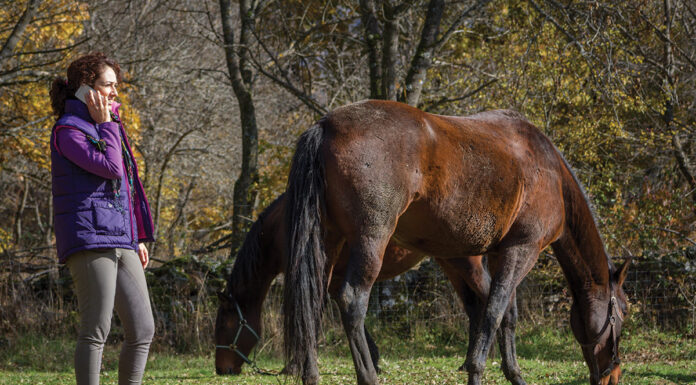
(457,23)
(17,32)
(431,105)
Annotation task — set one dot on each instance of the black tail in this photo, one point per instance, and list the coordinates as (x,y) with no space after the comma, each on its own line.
(305,281)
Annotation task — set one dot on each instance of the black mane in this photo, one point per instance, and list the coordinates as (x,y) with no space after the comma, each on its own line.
(248,264)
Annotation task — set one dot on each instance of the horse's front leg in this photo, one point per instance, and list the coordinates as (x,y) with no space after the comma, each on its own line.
(374,351)
(506,343)
(512,266)
(352,298)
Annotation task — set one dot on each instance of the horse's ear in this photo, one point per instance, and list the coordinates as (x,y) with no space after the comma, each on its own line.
(622,272)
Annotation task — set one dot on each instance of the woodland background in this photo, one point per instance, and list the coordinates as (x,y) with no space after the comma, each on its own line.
(216,93)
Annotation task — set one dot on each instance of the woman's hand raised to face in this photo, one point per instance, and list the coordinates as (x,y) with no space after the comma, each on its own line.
(98,107)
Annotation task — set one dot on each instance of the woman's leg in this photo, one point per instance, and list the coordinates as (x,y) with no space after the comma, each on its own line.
(133,308)
(94,276)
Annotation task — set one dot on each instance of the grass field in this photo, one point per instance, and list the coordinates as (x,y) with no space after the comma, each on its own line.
(546,355)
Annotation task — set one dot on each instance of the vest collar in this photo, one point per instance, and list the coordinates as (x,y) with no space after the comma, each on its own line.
(76,107)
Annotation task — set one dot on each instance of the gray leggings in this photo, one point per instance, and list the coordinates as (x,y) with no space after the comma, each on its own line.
(108,279)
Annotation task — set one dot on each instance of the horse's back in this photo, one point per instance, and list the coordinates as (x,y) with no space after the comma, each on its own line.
(457,184)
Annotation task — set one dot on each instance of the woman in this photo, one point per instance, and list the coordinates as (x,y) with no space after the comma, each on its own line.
(101,218)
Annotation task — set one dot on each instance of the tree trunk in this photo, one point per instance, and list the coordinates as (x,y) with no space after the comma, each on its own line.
(372,35)
(390,48)
(241,76)
(668,116)
(422,59)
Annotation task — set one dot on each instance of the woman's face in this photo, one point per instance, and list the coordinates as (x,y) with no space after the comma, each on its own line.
(106,84)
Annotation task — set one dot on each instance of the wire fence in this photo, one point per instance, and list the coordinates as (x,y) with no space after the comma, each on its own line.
(661,290)
(661,293)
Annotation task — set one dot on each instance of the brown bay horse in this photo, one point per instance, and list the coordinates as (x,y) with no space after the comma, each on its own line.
(261,259)
(452,188)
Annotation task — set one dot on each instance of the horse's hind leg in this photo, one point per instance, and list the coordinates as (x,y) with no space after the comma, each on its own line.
(363,268)
(374,349)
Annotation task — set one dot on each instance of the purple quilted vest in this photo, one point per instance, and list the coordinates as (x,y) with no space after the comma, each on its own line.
(88,214)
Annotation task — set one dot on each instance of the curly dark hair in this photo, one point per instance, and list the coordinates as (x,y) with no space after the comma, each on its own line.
(85,70)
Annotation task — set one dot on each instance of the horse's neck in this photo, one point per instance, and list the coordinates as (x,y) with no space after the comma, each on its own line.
(253,273)
(580,250)
(260,258)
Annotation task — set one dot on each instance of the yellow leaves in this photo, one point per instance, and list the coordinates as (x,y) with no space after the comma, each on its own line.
(5,240)
(55,21)
(130,117)
(56,24)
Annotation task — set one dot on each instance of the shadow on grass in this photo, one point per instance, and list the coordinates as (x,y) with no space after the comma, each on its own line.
(677,378)
(179,377)
(575,382)
(548,345)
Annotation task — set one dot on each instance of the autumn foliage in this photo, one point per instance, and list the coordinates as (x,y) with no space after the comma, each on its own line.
(611,82)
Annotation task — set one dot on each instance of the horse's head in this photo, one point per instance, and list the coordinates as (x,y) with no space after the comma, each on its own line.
(599,331)
(237,330)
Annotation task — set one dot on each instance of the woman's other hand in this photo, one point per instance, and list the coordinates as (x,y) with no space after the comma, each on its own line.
(98,107)
(144,255)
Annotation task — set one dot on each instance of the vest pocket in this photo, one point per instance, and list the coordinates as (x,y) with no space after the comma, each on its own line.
(108,220)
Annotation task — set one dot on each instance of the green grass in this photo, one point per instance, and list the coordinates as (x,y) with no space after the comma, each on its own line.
(546,356)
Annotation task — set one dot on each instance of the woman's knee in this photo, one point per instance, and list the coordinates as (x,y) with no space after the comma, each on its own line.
(95,331)
(147,331)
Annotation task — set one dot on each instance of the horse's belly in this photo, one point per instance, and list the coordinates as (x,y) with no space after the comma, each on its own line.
(464,230)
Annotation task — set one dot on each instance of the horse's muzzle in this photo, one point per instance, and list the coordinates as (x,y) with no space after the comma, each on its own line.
(227,371)
(612,378)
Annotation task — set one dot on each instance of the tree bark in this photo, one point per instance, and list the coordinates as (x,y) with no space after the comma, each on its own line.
(372,35)
(390,50)
(422,59)
(240,71)
(668,116)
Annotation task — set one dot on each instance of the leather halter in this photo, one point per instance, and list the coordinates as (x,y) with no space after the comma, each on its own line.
(610,322)
(243,324)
